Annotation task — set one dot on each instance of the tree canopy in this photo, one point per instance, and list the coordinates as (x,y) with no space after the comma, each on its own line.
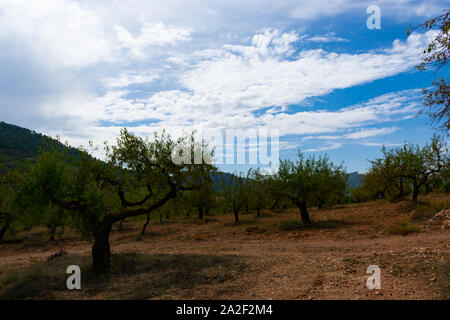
(137,178)
(436,56)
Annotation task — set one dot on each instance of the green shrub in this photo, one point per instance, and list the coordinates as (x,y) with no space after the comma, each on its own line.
(359,195)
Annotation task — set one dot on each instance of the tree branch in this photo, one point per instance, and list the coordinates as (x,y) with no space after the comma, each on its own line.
(137,212)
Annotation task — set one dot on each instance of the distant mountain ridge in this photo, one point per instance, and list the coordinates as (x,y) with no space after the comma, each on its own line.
(354,180)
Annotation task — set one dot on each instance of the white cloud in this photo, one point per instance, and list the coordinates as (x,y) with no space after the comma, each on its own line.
(329,37)
(330,146)
(203,82)
(269,43)
(57,32)
(259,75)
(385,108)
(77,33)
(71,33)
(128,78)
(378,144)
(90,117)
(224,87)
(356,134)
(151,35)
(366,133)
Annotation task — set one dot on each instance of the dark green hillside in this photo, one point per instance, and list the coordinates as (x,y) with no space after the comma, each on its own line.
(18,144)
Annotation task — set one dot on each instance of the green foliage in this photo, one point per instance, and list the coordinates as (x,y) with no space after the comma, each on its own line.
(359,195)
(437,101)
(235,192)
(19,144)
(309,181)
(331,184)
(436,56)
(408,167)
(9,213)
(258,190)
(203,197)
(137,178)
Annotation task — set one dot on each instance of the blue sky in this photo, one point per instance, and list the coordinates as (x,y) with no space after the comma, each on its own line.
(311,70)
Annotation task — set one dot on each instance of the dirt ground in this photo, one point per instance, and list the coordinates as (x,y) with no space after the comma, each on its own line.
(268,257)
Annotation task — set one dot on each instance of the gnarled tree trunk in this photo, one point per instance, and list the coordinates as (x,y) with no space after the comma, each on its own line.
(3,230)
(236,216)
(5,227)
(274,205)
(304,214)
(144,227)
(101,251)
(52,233)
(416,189)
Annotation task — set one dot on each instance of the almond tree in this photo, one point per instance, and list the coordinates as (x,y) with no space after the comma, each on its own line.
(421,163)
(302,180)
(235,193)
(137,177)
(8,186)
(410,165)
(258,190)
(331,182)
(203,197)
(386,176)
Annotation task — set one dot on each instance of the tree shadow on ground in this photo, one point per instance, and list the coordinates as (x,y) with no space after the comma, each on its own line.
(132,276)
(294,224)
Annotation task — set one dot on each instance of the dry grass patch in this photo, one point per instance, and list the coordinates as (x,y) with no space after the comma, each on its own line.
(402,228)
(426,210)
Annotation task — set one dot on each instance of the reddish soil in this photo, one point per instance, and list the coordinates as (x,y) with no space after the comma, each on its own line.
(319,263)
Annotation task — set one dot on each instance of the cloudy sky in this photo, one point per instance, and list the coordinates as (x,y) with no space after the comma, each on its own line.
(311,69)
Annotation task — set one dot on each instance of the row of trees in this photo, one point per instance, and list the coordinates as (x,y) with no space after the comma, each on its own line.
(411,168)
(139,178)
(406,170)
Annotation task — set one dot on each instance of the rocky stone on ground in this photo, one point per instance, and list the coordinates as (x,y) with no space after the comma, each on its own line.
(442,218)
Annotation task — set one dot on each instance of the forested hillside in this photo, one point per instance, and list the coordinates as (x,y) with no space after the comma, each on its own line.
(18,144)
